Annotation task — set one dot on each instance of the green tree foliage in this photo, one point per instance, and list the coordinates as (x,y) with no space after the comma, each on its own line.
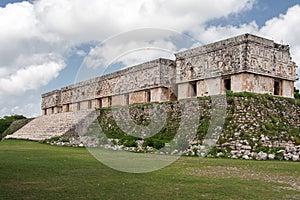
(6,121)
(296,93)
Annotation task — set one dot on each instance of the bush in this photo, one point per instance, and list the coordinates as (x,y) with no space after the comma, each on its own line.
(263,149)
(6,121)
(244,94)
(155,143)
(296,93)
(297,141)
(130,143)
(273,118)
(14,126)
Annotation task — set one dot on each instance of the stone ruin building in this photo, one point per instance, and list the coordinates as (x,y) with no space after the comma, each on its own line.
(243,63)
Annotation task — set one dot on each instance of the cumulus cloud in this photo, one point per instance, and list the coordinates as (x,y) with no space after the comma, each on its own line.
(283,29)
(286,29)
(132,48)
(30,77)
(214,33)
(47,26)
(37,38)
(29,59)
(98,20)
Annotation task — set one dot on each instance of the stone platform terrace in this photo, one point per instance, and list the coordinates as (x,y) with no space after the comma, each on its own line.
(49,126)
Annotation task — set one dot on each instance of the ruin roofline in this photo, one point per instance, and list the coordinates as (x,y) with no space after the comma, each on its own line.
(244,53)
(232,41)
(126,70)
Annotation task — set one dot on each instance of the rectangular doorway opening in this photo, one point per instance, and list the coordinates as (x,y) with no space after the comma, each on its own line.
(109,101)
(148,96)
(227,84)
(277,87)
(193,89)
(99,103)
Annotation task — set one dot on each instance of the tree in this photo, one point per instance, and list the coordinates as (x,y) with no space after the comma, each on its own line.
(6,121)
(296,93)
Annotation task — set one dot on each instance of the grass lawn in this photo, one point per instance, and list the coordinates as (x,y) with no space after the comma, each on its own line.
(30,170)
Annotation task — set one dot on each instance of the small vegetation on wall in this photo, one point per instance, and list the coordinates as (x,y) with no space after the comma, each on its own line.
(251,118)
(140,116)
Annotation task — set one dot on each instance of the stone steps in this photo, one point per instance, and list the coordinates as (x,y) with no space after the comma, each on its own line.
(49,126)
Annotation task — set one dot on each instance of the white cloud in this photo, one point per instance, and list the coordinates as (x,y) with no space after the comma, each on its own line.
(17,25)
(28,110)
(30,77)
(47,26)
(80,53)
(284,28)
(215,33)
(129,52)
(98,20)
(36,37)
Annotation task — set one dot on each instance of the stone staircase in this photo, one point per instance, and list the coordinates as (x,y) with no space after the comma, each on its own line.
(49,126)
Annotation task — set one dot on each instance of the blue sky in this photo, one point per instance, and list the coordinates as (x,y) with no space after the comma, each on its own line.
(48,44)
(262,11)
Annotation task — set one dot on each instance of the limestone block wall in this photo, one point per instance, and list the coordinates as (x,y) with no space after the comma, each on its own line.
(243,63)
(68,107)
(148,75)
(261,84)
(287,88)
(96,103)
(160,72)
(139,97)
(120,100)
(212,86)
(237,82)
(106,102)
(49,111)
(86,105)
(184,90)
(168,75)
(213,60)
(162,94)
(252,64)
(242,53)
(82,91)
(257,83)
(269,58)
(51,99)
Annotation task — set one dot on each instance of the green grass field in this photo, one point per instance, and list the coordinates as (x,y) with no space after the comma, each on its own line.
(31,170)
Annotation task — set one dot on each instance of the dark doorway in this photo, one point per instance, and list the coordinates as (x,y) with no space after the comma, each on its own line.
(193,89)
(99,103)
(148,96)
(109,101)
(227,84)
(277,87)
